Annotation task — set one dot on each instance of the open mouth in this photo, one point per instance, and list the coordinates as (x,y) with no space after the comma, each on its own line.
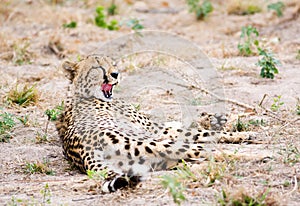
(107,90)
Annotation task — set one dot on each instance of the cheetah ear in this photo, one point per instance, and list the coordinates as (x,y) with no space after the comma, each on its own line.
(69,69)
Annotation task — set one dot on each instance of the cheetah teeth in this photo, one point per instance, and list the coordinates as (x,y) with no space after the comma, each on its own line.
(107,90)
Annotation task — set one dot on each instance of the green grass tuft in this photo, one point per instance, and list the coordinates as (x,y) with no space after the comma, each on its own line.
(23,96)
(7,122)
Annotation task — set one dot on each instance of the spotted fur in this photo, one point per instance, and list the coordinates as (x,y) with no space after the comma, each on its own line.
(99,132)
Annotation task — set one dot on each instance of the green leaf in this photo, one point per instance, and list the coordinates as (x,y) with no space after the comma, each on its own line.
(111,10)
(72,24)
(277,7)
(113,25)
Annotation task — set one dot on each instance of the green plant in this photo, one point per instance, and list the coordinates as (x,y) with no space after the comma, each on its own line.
(184,172)
(268,64)
(72,24)
(41,137)
(252,9)
(137,106)
(240,125)
(100,20)
(277,7)
(257,122)
(46,199)
(24,120)
(291,154)
(53,114)
(23,96)
(6,124)
(175,182)
(242,199)
(276,103)
(175,187)
(242,7)
(38,167)
(214,171)
(249,41)
(134,24)
(46,192)
(112,9)
(202,10)
(22,55)
(113,25)
(298,55)
(298,107)
(97,175)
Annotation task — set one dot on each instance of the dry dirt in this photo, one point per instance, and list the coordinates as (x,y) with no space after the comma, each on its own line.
(38,24)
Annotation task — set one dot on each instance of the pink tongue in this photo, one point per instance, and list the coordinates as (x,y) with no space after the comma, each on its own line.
(106,87)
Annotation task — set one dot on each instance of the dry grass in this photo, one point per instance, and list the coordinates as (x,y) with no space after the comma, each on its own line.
(242,196)
(241,7)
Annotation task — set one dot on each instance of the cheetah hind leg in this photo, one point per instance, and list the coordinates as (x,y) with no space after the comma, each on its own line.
(120,182)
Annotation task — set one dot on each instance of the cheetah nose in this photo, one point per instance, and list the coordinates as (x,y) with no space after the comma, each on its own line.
(114,74)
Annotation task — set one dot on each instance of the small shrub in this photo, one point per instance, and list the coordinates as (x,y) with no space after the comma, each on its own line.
(202,10)
(250,46)
(277,7)
(249,41)
(7,122)
(72,24)
(25,96)
(268,64)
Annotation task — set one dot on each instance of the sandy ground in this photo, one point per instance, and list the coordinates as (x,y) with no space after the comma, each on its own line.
(270,168)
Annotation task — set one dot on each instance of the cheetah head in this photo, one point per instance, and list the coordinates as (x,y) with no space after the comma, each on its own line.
(94,76)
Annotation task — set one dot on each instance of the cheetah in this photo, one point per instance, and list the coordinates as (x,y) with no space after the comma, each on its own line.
(99,132)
